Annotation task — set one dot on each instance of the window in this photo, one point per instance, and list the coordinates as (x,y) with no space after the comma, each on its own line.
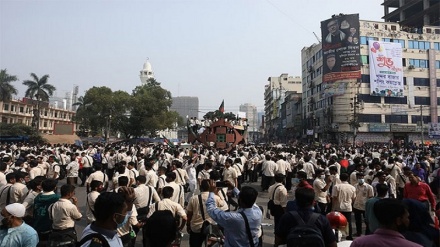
(369,118)
(400,41)
(437,64)
(386,39)
(21,109)
(363,40)
(393,28)
(422,100)
(365,59)
(6,107)
(12,108)
(438,82)
(396,119)
(45,124)
(368,98)
(418,63)
(421,82)
(396,100)
(422,45)
(365,78)
(437,46)
(56,114)
(415,119)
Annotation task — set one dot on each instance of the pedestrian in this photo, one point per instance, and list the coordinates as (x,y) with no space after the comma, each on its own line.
(392,216)
(364,191)
(241,228)
(343,196)
(15,232)
(63,214)
(278,193)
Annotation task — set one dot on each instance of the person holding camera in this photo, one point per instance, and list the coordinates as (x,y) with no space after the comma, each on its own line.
(197,215)
(241,228)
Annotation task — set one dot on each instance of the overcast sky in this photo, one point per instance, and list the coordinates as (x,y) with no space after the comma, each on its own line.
(211,49)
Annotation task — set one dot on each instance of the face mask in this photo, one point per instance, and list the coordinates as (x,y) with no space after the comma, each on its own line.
(119,225)
(322,177)
(361,180)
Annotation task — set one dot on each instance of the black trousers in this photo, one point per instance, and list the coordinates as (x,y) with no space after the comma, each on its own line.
(196,239)
(267,182)
(358,216)
(350,226)
(323,207)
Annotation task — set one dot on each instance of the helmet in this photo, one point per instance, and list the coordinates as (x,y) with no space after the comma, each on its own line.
(337,220)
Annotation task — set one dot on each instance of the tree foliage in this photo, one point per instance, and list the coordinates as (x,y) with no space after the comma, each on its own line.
(142,113)
(218,114)
(6,88)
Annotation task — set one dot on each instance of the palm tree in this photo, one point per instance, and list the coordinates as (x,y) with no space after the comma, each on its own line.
(41,90)
(79,102)
(6,89)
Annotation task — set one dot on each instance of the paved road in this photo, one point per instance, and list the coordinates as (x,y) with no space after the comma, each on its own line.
(262,200)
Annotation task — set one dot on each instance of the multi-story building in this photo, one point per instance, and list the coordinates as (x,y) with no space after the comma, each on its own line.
(253,132)
(346,110)
(22,111)
(274,96)
(413,14)
(186,106)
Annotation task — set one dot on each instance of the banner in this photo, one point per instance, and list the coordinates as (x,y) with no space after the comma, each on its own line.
(341,48)
(434,130)
(386,77)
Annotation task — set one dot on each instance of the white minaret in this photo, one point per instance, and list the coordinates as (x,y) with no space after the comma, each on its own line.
(146,73)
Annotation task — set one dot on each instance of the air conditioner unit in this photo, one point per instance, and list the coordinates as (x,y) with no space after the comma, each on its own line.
(411,67)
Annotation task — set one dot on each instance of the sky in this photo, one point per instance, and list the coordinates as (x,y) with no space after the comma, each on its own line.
(212,49)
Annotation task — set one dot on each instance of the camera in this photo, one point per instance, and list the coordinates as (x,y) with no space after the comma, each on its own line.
(221,184)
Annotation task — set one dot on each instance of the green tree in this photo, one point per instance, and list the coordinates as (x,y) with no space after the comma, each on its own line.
(6,89)
(150,110)
(41,90)
(218,114)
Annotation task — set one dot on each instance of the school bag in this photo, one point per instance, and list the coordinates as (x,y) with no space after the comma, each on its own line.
(305,234)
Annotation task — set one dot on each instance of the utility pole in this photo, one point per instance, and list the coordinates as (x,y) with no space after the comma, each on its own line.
(421,126)
(355,122)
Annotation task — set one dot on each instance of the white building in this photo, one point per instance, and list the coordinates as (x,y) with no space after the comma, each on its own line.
(331,111)
(146,72)
(274,96)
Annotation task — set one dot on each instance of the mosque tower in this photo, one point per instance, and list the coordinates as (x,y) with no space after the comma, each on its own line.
(146,73)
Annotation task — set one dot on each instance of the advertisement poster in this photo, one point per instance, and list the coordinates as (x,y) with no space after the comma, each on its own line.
(386,76)
(434,130)
(341,48)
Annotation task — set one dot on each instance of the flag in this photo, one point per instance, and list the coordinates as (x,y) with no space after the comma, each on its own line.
(222,107)
(168,142)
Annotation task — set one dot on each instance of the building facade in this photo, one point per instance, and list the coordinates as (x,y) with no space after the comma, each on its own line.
(51,118)
(413,14)
(347,112)
(274,96)
(186,106)
(253,133)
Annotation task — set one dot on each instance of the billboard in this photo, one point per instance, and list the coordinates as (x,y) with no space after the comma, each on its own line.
(341,48)
(434,130)
(386,77)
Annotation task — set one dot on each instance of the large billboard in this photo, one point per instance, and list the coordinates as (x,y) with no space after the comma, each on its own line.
(341,48)
(386,78)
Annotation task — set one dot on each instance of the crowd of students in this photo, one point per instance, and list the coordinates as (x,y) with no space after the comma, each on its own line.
(130,188)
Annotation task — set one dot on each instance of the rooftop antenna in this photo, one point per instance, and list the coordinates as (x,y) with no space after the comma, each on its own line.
(316,36)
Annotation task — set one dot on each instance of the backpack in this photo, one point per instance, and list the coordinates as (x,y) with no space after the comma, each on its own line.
(62,174)
(101,239)
(305,234)
(97,157)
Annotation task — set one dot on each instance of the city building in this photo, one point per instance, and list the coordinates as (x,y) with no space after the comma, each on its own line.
(413,14)
(253,132)
(274,96)
(146,73)
(186,106)
(52,120)
(352,110)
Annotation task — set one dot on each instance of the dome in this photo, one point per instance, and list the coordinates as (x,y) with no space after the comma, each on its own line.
(147,66)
